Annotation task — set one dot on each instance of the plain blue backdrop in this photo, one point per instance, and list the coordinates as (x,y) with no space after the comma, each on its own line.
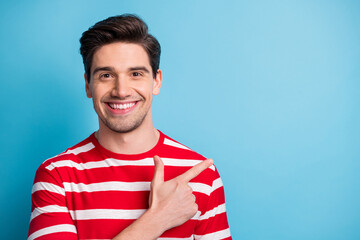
(269,89)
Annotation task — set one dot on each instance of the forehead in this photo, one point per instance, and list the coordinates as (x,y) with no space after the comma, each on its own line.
(121,56)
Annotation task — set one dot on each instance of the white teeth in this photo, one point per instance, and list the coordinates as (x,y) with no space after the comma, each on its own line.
(121,106)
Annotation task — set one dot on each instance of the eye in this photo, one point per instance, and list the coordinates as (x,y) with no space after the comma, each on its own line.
(136,74)
(105,76)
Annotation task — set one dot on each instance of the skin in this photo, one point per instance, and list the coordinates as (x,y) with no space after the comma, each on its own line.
(121,73)
(133,132)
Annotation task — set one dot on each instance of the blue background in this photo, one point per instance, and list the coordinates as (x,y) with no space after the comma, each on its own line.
(269,89)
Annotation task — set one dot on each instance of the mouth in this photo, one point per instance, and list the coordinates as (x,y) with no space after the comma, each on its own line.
(121,108)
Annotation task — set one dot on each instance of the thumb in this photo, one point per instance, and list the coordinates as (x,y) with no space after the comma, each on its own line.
(159,170)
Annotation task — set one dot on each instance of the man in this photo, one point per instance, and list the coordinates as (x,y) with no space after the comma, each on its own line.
(127,180)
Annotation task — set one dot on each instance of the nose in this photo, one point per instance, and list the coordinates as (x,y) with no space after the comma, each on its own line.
(121,88)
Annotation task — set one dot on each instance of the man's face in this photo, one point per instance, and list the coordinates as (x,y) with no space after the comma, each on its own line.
(122,86)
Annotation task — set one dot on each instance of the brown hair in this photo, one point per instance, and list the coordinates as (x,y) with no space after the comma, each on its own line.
(123,28)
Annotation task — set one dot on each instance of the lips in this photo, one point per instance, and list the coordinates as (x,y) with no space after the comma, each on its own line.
(121,108)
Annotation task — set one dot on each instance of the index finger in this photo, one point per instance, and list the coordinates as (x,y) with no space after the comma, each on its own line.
(195,170)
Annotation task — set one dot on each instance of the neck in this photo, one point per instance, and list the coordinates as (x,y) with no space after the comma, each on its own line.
(137,141)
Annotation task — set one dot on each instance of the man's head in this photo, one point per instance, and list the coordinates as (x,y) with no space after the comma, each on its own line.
(123,28)
(121,72)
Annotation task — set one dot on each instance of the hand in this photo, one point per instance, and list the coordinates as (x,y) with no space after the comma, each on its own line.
(172,201)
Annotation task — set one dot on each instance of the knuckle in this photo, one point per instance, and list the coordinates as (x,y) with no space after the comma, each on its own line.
(193,199)
(178,185)
(195,208)
(176,182)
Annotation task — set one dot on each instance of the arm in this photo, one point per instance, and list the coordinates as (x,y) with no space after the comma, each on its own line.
(50,218)
(171,204)
(213,223)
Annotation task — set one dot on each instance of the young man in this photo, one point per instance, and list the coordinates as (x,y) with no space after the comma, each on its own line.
(127,180)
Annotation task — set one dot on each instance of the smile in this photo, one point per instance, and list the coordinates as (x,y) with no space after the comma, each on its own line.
(119,106)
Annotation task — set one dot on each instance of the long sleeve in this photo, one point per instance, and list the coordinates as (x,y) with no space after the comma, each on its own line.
(213,223)
(50,217)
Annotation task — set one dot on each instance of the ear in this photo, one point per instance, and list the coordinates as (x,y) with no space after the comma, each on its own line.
(157,82)
(87,87)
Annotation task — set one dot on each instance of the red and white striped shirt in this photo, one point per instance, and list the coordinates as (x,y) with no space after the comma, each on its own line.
(89,192)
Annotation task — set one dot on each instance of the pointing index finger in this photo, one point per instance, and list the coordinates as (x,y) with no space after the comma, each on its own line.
(196,170)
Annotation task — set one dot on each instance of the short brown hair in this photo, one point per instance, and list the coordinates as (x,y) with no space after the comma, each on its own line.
(127,28)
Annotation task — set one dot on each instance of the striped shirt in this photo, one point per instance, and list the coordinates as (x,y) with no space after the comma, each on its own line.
(89,192)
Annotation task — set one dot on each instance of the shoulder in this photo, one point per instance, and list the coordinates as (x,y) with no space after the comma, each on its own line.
(180,158)
(177,149)
(71,155)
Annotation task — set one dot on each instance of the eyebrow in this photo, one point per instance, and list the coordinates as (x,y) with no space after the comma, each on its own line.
(139,68)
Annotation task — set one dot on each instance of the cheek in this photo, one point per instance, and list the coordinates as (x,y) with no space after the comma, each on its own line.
(145,89)
(98,91)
